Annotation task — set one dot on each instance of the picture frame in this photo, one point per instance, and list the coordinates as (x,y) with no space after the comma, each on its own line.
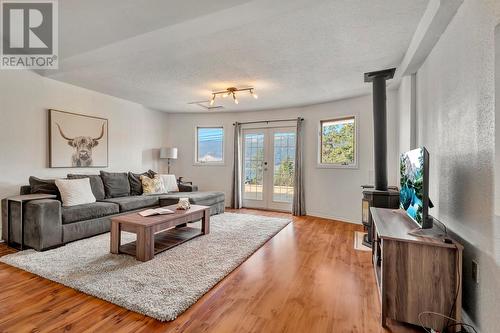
(77,140)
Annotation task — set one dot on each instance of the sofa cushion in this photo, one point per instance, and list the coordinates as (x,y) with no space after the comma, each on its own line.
(44,186)
(75,192)
(196,198)
(88,211)
(169,183)
(135,182)
(185,187)
(115,184)
(83,229)
(151,186)
(134,202)
(95,183)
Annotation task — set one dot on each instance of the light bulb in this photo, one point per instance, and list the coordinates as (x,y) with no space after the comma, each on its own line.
(235,99)
(254,95)
(224,95)
(212,101)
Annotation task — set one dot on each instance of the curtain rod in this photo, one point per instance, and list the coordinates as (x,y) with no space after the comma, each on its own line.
(269,121)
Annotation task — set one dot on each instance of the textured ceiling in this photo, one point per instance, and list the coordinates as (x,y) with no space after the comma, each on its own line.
(165,54)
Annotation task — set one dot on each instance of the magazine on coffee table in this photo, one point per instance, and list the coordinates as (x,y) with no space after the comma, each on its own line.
(156,211)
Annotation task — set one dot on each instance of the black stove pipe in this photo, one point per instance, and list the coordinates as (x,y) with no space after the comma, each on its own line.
(379,79)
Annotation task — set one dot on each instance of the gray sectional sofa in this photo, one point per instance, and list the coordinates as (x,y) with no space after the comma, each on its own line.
(47,224)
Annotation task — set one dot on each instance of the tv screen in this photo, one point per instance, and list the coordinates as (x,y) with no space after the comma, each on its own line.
(413,194)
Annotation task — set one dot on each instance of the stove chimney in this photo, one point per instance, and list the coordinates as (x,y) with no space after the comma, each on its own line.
(379,79)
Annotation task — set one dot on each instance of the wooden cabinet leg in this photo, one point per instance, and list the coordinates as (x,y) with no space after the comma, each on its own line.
(115,237)
(384,322)
(145,244)
(205,224)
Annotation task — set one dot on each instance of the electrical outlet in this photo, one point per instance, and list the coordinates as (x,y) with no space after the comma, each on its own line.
(475,271)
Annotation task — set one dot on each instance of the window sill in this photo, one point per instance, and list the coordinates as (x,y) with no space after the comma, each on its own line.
(336,166)
(209,164)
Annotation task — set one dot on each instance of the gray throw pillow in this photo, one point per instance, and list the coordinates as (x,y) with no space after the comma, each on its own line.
(44,186)
(115,184)
(96,185)
(135,182)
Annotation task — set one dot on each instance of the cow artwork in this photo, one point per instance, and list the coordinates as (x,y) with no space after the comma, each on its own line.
(82,157)
(77,141)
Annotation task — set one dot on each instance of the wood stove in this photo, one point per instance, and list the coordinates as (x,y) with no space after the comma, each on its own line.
(376,198)
(379,195)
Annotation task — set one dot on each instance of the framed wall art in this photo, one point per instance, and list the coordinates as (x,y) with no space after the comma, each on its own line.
(77,141)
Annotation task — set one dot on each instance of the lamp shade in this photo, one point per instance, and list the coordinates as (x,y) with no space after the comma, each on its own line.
(168,153)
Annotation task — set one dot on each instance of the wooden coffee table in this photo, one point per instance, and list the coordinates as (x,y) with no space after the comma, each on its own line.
(157,233)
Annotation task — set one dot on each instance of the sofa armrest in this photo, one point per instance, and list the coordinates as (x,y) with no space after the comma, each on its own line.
(183,187)
(42,224)
(25,189)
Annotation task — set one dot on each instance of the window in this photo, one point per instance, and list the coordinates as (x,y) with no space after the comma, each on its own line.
(209,145)
(338,142)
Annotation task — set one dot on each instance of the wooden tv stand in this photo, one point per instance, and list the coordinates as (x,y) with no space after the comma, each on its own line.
(415,274)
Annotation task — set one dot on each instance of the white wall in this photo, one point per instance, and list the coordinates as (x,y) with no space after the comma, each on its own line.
(333,193)
(135,132)
(497,120)
(406,116)
(455,121)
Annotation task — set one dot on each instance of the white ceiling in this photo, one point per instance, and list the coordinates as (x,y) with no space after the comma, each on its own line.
(165,54)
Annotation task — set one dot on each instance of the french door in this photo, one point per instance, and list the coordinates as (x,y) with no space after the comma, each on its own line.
(268,168)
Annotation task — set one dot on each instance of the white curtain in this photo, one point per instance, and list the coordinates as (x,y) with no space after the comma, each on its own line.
(236,201)
(299,205)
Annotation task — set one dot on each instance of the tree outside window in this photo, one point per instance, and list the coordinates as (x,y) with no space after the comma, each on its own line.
(338,142)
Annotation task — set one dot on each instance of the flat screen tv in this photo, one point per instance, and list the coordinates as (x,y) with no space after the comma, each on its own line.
(414,186)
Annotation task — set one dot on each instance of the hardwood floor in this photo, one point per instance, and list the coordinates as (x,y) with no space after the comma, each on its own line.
(308,278)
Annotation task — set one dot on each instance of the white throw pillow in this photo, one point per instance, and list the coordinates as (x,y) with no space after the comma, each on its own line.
(169,183)
(75,191)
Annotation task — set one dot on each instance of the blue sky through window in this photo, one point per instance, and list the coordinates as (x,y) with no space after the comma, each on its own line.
(210,144)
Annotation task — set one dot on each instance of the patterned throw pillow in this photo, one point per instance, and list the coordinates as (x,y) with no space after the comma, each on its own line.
(151,185)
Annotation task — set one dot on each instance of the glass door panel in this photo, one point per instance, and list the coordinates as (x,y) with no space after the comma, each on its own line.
(268,168)
(284,165)
(253,168)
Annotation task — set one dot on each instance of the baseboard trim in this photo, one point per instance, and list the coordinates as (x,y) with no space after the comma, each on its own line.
(330,217)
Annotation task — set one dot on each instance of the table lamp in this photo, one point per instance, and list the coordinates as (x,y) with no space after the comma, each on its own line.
(169,154)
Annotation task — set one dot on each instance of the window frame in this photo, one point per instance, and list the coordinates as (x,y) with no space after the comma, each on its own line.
(322,165)
(213,163)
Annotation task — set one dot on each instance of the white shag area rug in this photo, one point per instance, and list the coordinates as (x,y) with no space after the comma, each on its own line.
(163,287)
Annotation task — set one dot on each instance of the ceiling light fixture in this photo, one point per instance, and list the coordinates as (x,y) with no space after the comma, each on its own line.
(231,91)
(254,95)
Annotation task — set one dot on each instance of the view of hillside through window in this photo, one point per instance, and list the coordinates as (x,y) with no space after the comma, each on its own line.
(338,142)
(210,143)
